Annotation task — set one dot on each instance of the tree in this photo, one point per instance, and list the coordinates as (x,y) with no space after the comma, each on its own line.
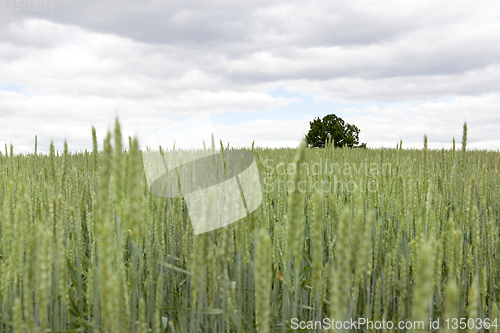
(341,133)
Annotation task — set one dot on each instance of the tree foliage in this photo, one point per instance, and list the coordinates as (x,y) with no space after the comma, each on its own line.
(341,133)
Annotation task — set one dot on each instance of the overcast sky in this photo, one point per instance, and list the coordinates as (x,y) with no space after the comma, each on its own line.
(262,69)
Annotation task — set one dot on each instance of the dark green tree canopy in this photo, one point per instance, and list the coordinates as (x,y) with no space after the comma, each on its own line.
(341,133)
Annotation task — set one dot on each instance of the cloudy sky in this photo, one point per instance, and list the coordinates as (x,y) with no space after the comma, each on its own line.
(262,69)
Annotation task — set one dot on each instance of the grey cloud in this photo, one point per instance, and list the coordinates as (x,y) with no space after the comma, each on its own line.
(153,22)
(286,23)
(408,43)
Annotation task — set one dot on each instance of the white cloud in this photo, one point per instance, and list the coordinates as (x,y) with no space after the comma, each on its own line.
(149,62)
(441,122)
(265,132)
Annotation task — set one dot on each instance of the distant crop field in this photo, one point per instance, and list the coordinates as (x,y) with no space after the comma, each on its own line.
(392,240)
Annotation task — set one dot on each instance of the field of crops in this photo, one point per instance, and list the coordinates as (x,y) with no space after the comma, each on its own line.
(393,235)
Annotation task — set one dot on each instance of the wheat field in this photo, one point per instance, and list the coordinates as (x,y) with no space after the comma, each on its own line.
(393,235)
